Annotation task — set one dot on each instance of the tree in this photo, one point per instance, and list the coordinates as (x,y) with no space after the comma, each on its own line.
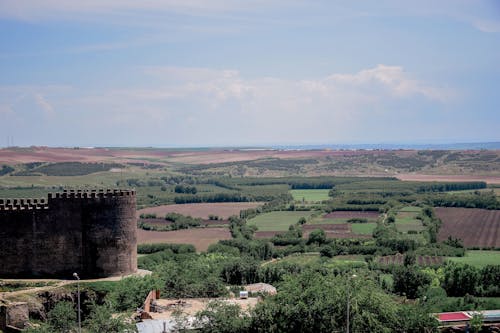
(416,318)
(410,259)
(62,318)
(460,279)
(220,317)
(130,292)
(313,302)
(410,281)
(476,322)
(490,280)
(317,236)
(101,319)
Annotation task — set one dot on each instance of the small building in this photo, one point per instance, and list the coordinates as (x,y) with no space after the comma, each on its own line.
(263,288)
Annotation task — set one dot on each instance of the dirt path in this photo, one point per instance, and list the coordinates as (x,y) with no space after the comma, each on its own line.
(58,283)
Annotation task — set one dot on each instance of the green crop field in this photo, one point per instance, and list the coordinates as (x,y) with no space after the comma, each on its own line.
(363,228)
(406,219)
(310,195)
(278,221)
(320,220)
(479,258)
(412,209)
(314,258)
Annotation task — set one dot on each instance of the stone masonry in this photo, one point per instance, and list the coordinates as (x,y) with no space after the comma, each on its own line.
(92,233)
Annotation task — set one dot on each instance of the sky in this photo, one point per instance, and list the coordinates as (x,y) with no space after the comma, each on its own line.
(180,73)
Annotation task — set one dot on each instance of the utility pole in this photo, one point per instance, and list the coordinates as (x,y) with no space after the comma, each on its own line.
(79,312)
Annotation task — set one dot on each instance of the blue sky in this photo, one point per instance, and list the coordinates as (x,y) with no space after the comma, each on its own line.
(257,72)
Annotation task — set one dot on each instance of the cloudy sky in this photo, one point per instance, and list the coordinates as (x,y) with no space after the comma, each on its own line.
(256,72)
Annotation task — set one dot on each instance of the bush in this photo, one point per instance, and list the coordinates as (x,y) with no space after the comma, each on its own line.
(175,248)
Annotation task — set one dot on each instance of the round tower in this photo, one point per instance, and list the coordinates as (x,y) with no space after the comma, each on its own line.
(109,227)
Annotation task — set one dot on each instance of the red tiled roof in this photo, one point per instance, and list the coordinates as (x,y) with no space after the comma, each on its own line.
(453,316)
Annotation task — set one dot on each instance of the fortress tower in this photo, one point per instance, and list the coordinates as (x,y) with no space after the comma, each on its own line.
(92,233)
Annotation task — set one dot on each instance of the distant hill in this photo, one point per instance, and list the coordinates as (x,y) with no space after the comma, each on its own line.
(395,146)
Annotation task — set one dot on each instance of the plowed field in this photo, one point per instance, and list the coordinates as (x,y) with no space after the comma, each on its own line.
(201,238)
(345,214)
(476,227)
(201,210)
(398,259)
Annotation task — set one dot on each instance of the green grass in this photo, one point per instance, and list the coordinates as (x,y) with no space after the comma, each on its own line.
(411,209)
(406,219)
(278,221)
(363,228)
(301,259)
(310,195)
(314,258)
(479,258)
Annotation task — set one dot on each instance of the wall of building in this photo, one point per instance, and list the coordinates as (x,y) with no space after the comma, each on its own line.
(92,233)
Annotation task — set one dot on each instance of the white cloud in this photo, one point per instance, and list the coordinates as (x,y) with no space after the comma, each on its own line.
(486,25)
(46,107)
(211,106)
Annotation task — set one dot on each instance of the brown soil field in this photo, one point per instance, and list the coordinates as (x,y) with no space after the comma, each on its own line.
(201,238)
(209,156)
(339,235)
(266,234)
(163,222)
(190,306)
(45,154)
(201,210)
(329,233)
(345,214)
(398,259)
(476,227)
(448,178)
(341,228)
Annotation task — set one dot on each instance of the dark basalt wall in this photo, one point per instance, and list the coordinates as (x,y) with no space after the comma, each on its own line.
(92,233)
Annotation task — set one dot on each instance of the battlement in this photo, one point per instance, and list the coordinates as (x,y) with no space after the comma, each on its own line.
(42,204)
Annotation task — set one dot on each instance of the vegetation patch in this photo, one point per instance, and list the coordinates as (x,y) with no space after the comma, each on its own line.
(478,258)
(278,220)
(69,169)
(309,195)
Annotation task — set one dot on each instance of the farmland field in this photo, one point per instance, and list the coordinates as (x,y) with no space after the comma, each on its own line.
(201,210)
(475,227)
(310,195)
(312,258)
(406,219)
(342,214)
(363,228)
(161,222)
(278,221)
(200,238)
(339,217)
(479,258)
(398,259)
(341,230)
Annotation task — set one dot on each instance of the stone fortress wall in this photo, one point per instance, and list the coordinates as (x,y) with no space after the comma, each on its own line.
(90,232)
